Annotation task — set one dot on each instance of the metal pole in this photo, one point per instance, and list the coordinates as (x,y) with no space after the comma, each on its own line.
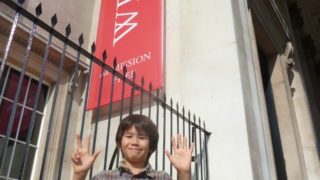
(104,57)
(164,131)
(33,117)
(157,124)
(16,98)
(73,87)
(93,48)
(109,115)
(68,31)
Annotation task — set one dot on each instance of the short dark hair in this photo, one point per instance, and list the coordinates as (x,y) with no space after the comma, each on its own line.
(141,123)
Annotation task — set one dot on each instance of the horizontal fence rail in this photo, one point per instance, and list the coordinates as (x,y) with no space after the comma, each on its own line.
(169,117)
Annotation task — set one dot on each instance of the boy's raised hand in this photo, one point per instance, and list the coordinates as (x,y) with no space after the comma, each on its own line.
(182,156)
(81,159)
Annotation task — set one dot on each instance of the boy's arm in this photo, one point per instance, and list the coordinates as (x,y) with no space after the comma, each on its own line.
(182,157)
(184,175)
(82,161)
(76,177)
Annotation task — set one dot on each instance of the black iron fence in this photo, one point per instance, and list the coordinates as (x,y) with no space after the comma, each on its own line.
(19,118)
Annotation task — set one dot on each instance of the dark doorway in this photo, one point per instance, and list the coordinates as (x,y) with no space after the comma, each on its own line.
(266,67)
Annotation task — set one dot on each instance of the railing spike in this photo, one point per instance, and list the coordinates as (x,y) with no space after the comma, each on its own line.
(81,39)
(114,63)
(104,55)
(54,20)
(68,30)
(93,47)
(38,10)
(21,2)
(150,86)
(124,70)
(134,75)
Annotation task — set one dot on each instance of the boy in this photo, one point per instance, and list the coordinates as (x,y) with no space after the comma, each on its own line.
(137,138)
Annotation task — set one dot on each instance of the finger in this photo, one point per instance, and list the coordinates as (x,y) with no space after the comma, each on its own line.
(185,144)
(192,147)
(74,161)
(79,143)
(87,144)
(96,154)
(168,155)
(179,141)
(77,153)
(173,140)
(74,158)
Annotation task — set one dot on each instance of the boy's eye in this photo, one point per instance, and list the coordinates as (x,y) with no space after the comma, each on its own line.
(142,137)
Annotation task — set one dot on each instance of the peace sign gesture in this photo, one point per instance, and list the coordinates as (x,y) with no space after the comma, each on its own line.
(181,159)
(81,159)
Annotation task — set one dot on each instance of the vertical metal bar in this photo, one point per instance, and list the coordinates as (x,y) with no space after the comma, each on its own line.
(73,87)
(157,124)
(33,117)
(8,45)
(122,91)
(164,131)
(18,129)
(195,147)
(115,152)
(206,151)
(109,114)
(16,98)
(104,57)
(183,123)
(200,151)
(68,31)
(4,84)
(121,105)
(132,93)
(171,130)
(141,96)
(178,131)
(150,98)
(93,49)
(189,125)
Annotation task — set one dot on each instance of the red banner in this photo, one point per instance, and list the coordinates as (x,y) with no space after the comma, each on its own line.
(131,31)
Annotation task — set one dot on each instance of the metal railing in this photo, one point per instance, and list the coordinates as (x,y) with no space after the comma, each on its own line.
(174,117)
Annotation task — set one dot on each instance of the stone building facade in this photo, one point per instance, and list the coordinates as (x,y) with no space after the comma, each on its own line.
(249,68)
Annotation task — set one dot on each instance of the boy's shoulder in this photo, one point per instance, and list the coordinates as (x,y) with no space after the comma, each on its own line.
(159,174)
(107,174)
(115,174)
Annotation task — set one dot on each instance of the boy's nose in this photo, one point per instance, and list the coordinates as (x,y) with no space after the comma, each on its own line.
(135,141)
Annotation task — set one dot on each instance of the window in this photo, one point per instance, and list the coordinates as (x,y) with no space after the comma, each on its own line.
(18,136)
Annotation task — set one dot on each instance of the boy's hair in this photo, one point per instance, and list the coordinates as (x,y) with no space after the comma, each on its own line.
(141,123)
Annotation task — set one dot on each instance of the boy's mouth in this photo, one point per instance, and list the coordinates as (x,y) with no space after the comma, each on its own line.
(134,149)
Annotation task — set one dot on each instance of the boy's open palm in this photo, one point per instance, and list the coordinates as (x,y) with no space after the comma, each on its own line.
(182,154)
(81,159)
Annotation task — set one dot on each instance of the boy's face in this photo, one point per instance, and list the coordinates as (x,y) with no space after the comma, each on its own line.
(135,145)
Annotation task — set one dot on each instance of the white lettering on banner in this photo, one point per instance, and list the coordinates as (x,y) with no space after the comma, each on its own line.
(120,3)
(131,62)
(126,23)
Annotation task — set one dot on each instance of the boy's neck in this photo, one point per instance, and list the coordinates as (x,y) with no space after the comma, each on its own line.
(135,168)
